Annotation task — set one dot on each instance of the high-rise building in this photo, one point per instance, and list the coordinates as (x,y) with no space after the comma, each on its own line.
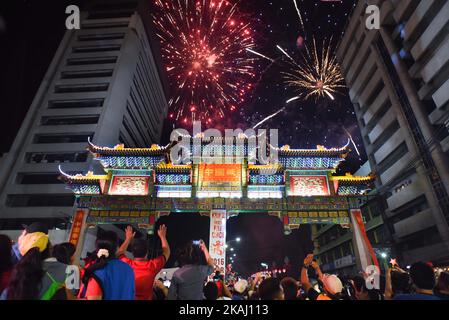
(334,245)
(398,80)
(106,84)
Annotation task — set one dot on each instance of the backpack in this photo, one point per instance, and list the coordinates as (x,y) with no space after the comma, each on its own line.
(52,289)
(116,281)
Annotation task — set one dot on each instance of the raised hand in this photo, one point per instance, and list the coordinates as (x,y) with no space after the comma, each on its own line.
(203,245)
(162,231)
(129,232)
(308,260)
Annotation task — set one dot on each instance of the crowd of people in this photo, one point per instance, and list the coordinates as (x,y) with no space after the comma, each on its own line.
(33,269)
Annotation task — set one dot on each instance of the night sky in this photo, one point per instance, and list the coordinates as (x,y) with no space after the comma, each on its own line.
(304,124)
(30,32)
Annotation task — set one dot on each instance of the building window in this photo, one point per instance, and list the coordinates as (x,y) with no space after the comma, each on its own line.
(394,157)
(122,139)
(99,37)
(411,208)
(73,88)
(379,115)
(37,157)
(130,132)
(420,239)
(346,248)
(385,135)
(86,74)
(105,25)
(111,14)
(38,178)
(69,120)
(62,138)
(76,103)
(91,60)
(97,48)
(36,200)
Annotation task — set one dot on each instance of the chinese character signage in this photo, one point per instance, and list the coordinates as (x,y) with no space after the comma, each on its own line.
(132,185)
(308,186)
(217,238)
(77,225)
(219,175)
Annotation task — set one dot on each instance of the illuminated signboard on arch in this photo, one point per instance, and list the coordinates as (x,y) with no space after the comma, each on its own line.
(219,181)
(129,185)
(309,186)
(213,176)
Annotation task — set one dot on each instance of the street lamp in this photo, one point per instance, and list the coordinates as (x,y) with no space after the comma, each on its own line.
(238,239)
(384,256)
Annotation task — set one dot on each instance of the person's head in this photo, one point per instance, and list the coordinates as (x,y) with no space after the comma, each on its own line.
(332,284)
(29,240)
(106,247)
(139,248)
(192,254)
(71,250)
(271,289)
(64,252)
(27,274)
(290,287)
(360,289)
(210,291)
(443,282)
(5,253)
(36,227)
(422,276)
(400,282)
(108,240)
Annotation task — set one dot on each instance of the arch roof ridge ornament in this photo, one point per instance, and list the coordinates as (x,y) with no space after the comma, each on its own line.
(80,177)
(319,150)
(120,150)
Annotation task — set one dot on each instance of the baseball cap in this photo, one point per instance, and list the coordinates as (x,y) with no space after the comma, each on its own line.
(36,227)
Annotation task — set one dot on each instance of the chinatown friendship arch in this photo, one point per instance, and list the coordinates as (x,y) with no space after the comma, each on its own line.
(139,185)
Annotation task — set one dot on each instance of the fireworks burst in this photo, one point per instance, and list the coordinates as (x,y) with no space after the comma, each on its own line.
(204,47)
(317,75)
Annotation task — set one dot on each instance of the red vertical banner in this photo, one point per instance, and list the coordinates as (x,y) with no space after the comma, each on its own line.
(285,220)
(77,227)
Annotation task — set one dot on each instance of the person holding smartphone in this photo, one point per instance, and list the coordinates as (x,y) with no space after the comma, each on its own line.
(196,265)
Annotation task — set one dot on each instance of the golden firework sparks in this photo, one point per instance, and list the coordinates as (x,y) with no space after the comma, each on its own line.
(317,75)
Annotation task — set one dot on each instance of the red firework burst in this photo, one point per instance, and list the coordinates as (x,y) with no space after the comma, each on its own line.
(204,45)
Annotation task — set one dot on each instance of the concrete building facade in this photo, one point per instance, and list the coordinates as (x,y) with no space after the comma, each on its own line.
(106,84)
(398,80)
(334,245)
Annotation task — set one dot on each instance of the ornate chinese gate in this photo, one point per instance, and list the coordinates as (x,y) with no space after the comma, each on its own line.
(141,185)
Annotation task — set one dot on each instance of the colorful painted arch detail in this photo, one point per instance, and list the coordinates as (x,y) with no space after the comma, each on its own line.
(150,172)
